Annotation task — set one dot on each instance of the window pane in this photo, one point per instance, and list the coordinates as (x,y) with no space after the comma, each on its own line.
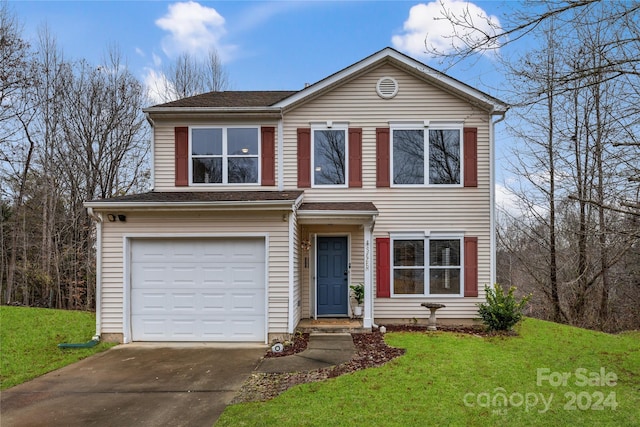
(207,170)
(444,281)
(408,281)
(408,156)
(243,169)
(444,252)
(206,142)
(242,141)
(329,157)
(444,156)
(408,253)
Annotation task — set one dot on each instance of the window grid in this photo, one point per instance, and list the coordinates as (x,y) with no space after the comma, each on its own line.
(251,159)
(435,271)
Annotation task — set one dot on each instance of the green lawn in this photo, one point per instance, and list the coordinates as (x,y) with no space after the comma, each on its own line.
(550,375)
(29,339)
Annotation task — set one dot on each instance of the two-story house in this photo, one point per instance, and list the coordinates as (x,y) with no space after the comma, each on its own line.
(267,205)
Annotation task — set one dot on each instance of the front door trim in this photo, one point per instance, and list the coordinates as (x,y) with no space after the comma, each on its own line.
(315,273)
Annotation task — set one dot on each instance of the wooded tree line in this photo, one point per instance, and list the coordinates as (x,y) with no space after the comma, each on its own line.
(572,238)
(70,131)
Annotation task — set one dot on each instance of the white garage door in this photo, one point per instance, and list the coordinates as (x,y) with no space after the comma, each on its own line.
(198,289)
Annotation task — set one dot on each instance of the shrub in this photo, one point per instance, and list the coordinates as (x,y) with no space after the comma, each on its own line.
(501,311)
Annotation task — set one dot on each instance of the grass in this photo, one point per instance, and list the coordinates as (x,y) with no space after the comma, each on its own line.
(29,339)
(459,380)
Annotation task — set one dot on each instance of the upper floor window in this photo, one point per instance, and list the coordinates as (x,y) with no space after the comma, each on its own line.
(433,152)
(225,155)
(329,148)
(427,266)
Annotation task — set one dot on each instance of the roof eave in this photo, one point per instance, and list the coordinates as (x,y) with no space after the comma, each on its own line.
(343,217)
(274,112)
(208,205)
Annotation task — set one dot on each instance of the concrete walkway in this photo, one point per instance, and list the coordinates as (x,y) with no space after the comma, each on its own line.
(323,351)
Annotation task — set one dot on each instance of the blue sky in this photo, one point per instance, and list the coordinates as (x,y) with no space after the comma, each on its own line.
(268,45)
(264,45)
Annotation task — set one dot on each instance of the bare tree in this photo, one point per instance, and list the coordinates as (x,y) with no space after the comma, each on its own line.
(188,75)
(105,150)
(16,153)
(77,133)
(577,185)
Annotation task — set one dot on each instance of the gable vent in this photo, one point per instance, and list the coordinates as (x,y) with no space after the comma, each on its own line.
(387,87)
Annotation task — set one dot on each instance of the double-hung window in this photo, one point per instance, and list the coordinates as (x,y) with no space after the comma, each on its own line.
(426,155)
(426,266)
(225,155)
(329,151)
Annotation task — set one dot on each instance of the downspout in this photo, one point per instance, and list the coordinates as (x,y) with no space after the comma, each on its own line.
(291,219)
(98,218)
(153,150)
(96,338)
(370,273)
(492,196)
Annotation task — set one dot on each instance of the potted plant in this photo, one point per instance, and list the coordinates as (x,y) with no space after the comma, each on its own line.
(358,295)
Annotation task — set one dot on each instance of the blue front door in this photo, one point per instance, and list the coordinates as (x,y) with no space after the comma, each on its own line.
(333,276)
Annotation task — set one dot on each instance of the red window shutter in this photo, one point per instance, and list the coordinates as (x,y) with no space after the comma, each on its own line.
(304,157)
(383,267)
(382,157)
(470,266)
(182,156)
(470,148)
(355,157)
(268,156)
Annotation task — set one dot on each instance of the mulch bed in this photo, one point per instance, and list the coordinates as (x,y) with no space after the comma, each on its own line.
(371,351)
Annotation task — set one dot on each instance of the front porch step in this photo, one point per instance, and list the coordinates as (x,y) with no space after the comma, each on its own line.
(332,326)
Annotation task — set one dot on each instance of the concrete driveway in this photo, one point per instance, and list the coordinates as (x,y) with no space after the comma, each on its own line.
(135,385)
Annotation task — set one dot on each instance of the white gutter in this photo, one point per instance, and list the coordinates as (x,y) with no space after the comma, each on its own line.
(248,205)
(291,278)
(492,197)
(340,213)
(98,219)
(207,110)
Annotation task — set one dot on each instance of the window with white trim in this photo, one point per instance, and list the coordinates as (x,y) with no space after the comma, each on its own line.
(225,155)
(426,266)
(434,152)
(329,151)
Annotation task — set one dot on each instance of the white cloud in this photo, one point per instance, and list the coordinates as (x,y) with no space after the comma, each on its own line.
(505,200)
(157,61)
(157,85)
(426,23)
(194,29)
(140,52)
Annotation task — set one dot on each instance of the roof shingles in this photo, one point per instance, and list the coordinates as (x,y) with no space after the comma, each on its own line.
(203,197)
(230,99)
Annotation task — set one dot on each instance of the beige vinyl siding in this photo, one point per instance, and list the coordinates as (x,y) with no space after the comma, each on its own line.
(164,156)
(464,210)
(204,224)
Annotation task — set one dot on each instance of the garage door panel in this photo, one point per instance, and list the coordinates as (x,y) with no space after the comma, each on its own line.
(215,329)
(176,302)
(245,303)
(198,290)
